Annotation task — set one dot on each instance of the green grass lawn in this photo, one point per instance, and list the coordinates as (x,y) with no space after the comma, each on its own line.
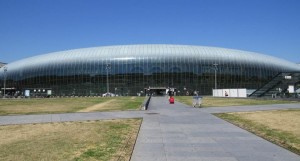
(220,102)
(66,105)
(77,141)
(281,127)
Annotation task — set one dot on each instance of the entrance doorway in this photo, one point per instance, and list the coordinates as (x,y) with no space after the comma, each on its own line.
(159,91)
(156,91)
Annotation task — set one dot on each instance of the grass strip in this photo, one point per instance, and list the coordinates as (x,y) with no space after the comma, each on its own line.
(281,138)
(78,141)
(221,102)
(67,105)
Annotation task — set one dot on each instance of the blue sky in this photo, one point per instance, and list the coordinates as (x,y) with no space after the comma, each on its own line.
(33,27)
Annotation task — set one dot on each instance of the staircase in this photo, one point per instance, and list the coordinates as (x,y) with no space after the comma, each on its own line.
(281,80)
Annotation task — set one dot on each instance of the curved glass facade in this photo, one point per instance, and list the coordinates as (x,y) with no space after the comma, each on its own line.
(132,68)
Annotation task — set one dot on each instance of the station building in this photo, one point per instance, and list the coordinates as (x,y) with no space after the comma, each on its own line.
(136,69)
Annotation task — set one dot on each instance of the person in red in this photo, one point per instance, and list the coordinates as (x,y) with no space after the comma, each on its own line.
(171,100)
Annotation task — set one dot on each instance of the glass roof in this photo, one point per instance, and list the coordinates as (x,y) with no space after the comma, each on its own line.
(152,51)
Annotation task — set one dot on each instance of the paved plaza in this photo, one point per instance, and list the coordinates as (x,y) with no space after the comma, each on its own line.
(177,132)
(181,133)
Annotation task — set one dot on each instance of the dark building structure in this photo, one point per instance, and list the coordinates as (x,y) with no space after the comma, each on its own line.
(133,69)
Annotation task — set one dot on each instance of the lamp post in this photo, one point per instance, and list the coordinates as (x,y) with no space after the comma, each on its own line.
(215,68)
(107,82)
(5,70)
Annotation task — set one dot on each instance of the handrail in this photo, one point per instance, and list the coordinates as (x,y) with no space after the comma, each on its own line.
(146,102)
(265,84)
(276,83)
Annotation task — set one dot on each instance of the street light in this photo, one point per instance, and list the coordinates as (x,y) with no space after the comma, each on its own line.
(5,70)
(216,68)
(107,82)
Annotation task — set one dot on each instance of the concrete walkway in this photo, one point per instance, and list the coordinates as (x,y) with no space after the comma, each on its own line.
(181,133)
(250,108)
(27,119)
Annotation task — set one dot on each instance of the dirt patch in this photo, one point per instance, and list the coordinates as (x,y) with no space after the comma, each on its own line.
(132,98)
(99,106)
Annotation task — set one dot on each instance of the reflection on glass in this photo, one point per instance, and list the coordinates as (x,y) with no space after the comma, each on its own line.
(181,67)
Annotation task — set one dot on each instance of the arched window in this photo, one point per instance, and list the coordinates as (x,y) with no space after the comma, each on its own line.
(137,70)
(175,70)
(156,70)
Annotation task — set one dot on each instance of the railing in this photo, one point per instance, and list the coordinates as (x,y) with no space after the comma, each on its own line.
(146,102)
(278,81)
(262,87)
